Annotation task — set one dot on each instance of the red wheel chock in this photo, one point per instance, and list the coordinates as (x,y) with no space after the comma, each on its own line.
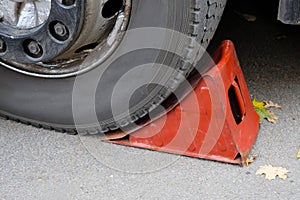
(216,121)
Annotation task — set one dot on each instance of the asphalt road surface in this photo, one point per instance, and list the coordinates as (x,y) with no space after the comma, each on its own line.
(41,164)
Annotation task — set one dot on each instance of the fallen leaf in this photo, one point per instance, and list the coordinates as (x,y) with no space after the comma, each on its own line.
(271,172)
(262,109)
(258,104)
(251,159)
(272,118)
(280,37)
(270,104)
(247,17)
(298,155)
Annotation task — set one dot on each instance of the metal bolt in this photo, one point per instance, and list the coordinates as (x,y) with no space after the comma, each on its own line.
(34,48)
(60,29)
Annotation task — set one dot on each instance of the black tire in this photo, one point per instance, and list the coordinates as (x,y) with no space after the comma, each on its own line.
(47,103)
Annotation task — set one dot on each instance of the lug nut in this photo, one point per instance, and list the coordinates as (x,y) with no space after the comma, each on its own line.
(34,48)
(60,29)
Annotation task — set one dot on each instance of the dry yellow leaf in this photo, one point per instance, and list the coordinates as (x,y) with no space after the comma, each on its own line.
(298,155)
(270,104)
(251,159)
(247,17)
(271,172)
(280,37)
(272,118)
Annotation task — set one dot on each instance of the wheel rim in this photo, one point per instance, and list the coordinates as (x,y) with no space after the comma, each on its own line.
(51,38)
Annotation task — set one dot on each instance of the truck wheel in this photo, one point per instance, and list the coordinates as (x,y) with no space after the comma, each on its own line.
(43,53)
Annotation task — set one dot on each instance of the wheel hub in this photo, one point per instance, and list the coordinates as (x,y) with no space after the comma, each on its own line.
(52,37)
(24,14)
